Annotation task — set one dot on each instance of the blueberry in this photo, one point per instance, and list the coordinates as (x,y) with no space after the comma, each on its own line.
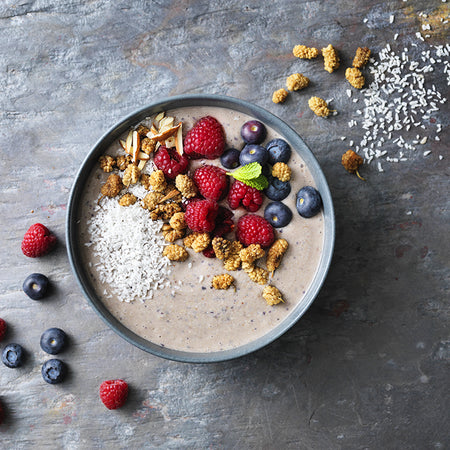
(230,158)
(53,371)
(35,286)
(253,153)
(253,132)
(277,190)
(279,151)
(12,355)
(53,340)
(308,201)
(277,214)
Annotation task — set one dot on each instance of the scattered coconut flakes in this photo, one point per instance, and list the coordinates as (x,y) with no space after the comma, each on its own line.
(129,248)
(426,153)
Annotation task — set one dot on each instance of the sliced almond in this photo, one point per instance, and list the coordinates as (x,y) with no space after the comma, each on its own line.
(165,134)
(142,164)
(136,146)
(166,123)
(160,116)
(170,195)
(170,142)
(153,130)
(179,141)
(123,144)
(129,142)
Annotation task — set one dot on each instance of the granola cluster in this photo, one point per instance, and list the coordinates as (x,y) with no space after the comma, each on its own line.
(275,254)
(197,241)
(233,260)
(131,175)
(186,186)
(157,181)
(127,200)
(107,163)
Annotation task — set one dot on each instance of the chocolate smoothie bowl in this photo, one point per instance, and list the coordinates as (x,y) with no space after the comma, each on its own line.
(177,245)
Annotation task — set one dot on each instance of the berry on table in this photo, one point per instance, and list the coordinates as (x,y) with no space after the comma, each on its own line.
(113,393)
(3,329)
(243,195)
(308,202)
(205,140)
(54,371)
(253,153)
(279,151)
(38,241)
(253,132)
(35,286)
(170,162)
(277,190)
(200,215)
(278,214)
(253,229)
(351,162)
(13,355)
(230,158)
(212,182)
(53,340)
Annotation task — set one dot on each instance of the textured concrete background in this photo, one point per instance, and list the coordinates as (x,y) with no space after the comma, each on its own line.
(366,367)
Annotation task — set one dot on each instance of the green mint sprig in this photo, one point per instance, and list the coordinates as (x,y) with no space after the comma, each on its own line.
(251,175)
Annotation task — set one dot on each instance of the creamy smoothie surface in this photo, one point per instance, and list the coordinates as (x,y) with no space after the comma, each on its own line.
(183,311)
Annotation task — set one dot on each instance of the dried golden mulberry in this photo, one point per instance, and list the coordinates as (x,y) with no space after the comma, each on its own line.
(131,175)
(175,252)
(158,181)
(331,59)
(145,181)
(351,162)
(296,81)
(233,260)
(222,281)
(201,242)
(186,186)
(177,221)
(275,254)
(151,200)
(123,161)
(281,171)
(222,247)
(143,130)
(170,234)
(107,163)
(251,253)
(112,186)
(319,106)
(361,57)
(165,211)
(272,295)
(148,145)
(255,273)
(304,52)
(279,96)
(355,77)
(127,200)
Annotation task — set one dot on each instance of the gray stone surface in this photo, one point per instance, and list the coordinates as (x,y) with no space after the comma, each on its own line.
(366,367)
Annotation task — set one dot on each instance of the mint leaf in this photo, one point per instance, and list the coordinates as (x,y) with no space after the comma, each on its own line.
(259,183)
(247,172)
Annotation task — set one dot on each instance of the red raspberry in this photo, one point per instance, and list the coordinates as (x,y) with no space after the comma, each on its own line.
(224,221)
(253,229)
(205,140)
(3,328)
(212,182)
(242,195)
(201,215)
(170,162)
(38,241)
(113,393)
(209,252)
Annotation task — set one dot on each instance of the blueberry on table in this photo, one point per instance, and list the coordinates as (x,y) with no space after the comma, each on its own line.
(253,132)
(277,189)
(253,153)
(35,286)
(230,158)
(308,202)
(53,340)
(278,214)
(12,355)
(53,371)
(279,151)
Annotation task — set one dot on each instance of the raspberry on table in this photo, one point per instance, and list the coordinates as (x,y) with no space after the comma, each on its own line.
(201,215)
(212,182)
(170,162)
(243,195)
(281,171)
(253,229)
(205,140)
(113,393)
(331,59)
(38,241)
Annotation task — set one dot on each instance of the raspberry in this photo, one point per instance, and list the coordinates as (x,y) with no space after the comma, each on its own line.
(253,229)
(38,241)
(205,140)
(212,182)
(113,393)
(201,215)
(170,162)
(242,195)
(209,252)
(3,328)
(224,222)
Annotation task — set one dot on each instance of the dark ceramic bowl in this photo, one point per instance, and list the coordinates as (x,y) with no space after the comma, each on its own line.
(186,101)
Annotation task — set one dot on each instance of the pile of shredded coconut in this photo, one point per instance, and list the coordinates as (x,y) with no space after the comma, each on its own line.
(399,99)
(129,248)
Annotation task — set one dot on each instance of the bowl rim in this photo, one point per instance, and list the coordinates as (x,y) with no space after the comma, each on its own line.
(192,100)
